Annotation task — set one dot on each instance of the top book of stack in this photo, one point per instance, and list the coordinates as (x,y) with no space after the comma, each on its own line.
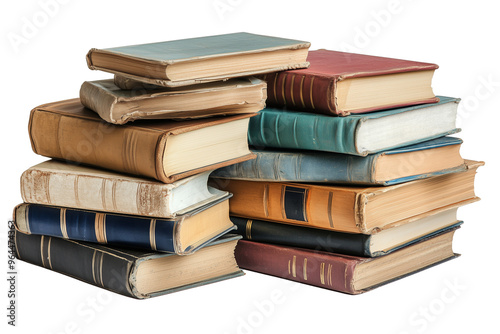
(199,60)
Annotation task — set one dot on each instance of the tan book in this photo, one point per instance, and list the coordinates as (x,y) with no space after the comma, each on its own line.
(118,106)
(349,208)
(163,150)
(69,185)
(201,59)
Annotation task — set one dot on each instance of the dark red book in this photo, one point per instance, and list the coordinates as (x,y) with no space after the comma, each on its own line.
(342,83)
(344,273)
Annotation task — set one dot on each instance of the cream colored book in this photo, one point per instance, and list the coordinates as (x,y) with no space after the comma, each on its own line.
(119,106)
(70,185)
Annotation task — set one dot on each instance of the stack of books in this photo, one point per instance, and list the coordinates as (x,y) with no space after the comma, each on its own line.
(356,181)
(125,205)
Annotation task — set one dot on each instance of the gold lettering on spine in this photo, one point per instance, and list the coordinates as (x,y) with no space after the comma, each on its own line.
(248,229)
(294,266)
(322,272)
(100,227)
(152,234)
(301,91)
(291,90)
(62,220)
(283,88)
(311,93)
(266,199)
(305,269)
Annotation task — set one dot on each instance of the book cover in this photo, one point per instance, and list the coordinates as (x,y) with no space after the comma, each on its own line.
(172,235)
(121,270)
(67,130)
(410,163)
(339,272)
(70,185)
(118,106)
(359,134)
(151,62)
(315,89)
(354,209)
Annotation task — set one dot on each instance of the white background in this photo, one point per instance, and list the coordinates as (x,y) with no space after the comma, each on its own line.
(47,63)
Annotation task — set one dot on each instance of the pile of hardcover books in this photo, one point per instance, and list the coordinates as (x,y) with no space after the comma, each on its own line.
(125,205)
(356,182)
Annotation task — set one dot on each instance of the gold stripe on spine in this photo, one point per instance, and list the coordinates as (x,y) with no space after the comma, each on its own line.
(305,269)
(75,186)
(301,93)
(248,230)
(48,253)
(113,194)
(41,250)
(62,222)
(100,227)
(128,150)
(330,274)
(282,202)
(93,267)
(291,89)
(100,269)
(283,88)
(103,195)
(289,270)
(304,205)
(329,209)
(266,199)
(274,87)
(322,273)
(152,234)
(294,266)
(311,93)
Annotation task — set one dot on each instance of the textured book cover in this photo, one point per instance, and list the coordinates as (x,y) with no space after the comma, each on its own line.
(359,134)
(155,234)
(340,272)
(121,270)
(323,167)
(67,130)
(315,89)
(150,61)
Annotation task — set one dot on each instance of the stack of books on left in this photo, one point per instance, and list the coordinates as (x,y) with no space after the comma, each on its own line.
(125,205)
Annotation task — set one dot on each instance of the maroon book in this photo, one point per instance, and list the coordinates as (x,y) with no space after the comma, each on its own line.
(341,83)
(344,273)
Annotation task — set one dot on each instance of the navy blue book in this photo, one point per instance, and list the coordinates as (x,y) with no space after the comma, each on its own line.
(181,235)
(359,134)
(430,158)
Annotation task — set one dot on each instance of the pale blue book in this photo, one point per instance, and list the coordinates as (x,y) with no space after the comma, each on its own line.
(359,134)
(434,157)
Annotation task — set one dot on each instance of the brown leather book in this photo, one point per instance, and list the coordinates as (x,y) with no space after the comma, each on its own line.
(349,208)
(163,150)
(341,83)
(344,273)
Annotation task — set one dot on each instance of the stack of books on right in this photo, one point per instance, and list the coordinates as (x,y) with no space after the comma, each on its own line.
(356,181)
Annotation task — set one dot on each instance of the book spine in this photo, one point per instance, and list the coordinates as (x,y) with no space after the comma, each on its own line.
(314,268)
(305,92)
(83,262)
(98,100)
(300,204)
(95,193)
(303,167)
(303,237)
(124,149)
(303,131)
(98,227)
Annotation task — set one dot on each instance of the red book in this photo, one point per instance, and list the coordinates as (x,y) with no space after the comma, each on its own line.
(342,83)
(344,273)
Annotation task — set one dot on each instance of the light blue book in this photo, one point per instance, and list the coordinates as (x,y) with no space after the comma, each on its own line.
(359,134)
(430,158)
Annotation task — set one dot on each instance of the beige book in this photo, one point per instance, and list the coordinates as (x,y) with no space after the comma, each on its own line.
(70,185)
(119,106)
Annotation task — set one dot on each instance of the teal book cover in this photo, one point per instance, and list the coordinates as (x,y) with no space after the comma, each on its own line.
(359,134)
(325,167)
